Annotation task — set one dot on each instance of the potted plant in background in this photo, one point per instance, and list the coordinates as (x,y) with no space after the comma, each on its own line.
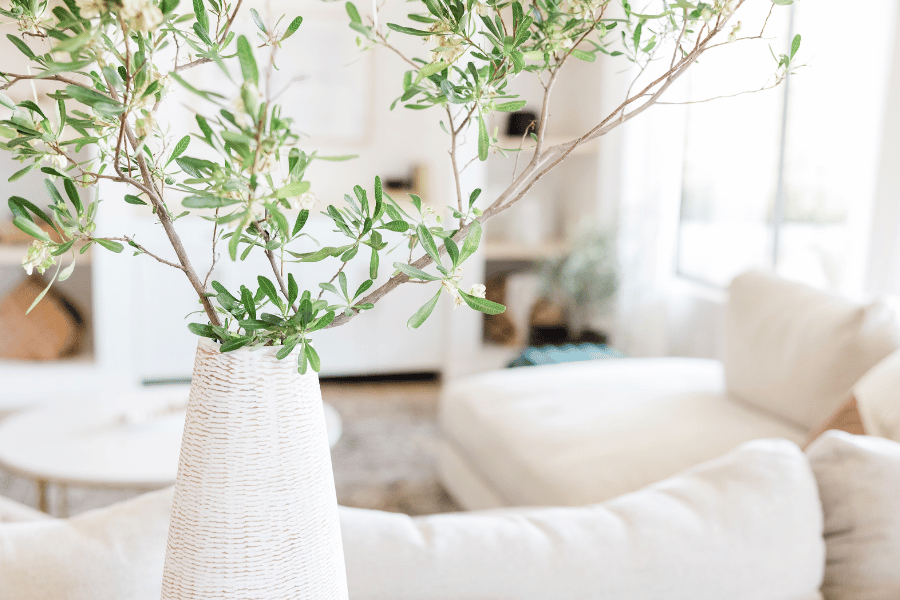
(255,512)
(580,286)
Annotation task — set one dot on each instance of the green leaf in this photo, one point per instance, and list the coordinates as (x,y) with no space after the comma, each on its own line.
(590,56)
(302,360)
(67,272)
(72,193)
(427,242)
(253,325)
(423,313)
(342,279)
(207,202)
(483,140)
(413,272)
(29,227)
(269,290)
(110,245)
(470,245)
(200,13)
(293,289)
(398,226)
(235,343)
(353,13)
(245,55)
(22,46)
(180,147)
(43,293)
(320,254)
(292,28)
(258,20)
(295,188)
(783,2)
(795,45)
(202,330)
(133,199)
(452,251)
(365,285)
(485,306)
(429,69)
(408,30)
(373,264)
(235,240)
(288,347)
(511,106)
(313,357)
(247,301)
(300,222)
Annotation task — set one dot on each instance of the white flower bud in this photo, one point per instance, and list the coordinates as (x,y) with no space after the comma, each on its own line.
(478,290)
(38,257)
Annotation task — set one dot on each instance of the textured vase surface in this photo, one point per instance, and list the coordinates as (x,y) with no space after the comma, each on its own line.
(255,515)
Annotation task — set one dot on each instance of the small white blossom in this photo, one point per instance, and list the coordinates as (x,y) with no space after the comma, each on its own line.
(734,32)
(478,290)
(38,257)
(449,46)
(267,163)
(450,287)
(482,8)
(305,201)
(144,126)
(142,15)
(90,8)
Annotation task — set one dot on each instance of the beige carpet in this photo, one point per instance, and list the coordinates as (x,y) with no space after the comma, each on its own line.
(384,460)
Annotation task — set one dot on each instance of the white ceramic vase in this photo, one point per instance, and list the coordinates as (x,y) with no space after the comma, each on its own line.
(255,515)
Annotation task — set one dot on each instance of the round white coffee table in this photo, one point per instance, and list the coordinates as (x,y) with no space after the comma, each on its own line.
(132,443)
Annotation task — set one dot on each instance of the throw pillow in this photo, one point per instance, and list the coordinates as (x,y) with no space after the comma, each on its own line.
(114,553)
(859,484)
(878,394)
(795,351)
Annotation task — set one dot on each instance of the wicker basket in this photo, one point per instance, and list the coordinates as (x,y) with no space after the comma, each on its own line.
(255,514)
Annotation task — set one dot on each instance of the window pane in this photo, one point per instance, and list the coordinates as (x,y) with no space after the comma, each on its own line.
(731,156)
(832,142)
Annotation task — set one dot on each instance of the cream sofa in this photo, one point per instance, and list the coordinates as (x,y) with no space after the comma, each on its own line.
(764,522)
(579,433)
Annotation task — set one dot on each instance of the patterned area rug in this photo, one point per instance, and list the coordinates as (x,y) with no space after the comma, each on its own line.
(384,460)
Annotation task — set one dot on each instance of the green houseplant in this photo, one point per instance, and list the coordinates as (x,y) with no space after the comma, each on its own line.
(112,64)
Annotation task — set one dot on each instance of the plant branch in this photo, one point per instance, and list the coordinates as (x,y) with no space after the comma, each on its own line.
(130,241)
(554,156)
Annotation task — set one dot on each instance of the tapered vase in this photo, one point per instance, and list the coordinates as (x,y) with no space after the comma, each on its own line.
(255,514)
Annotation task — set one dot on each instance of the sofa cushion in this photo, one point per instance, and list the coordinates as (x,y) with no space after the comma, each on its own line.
(745,526)
(878,397)
(114,553)
(795,351)
(859,485)
(13,512)
(584,432)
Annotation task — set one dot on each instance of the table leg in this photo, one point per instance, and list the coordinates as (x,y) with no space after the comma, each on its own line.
(43,503)
(63,501)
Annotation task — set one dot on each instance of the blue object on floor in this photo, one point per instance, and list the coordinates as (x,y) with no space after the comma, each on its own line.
(552,355)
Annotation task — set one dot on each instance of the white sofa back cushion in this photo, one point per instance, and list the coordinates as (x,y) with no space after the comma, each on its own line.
(859,483)
(114,553)
(795,351)
(745,526)
(878,398)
